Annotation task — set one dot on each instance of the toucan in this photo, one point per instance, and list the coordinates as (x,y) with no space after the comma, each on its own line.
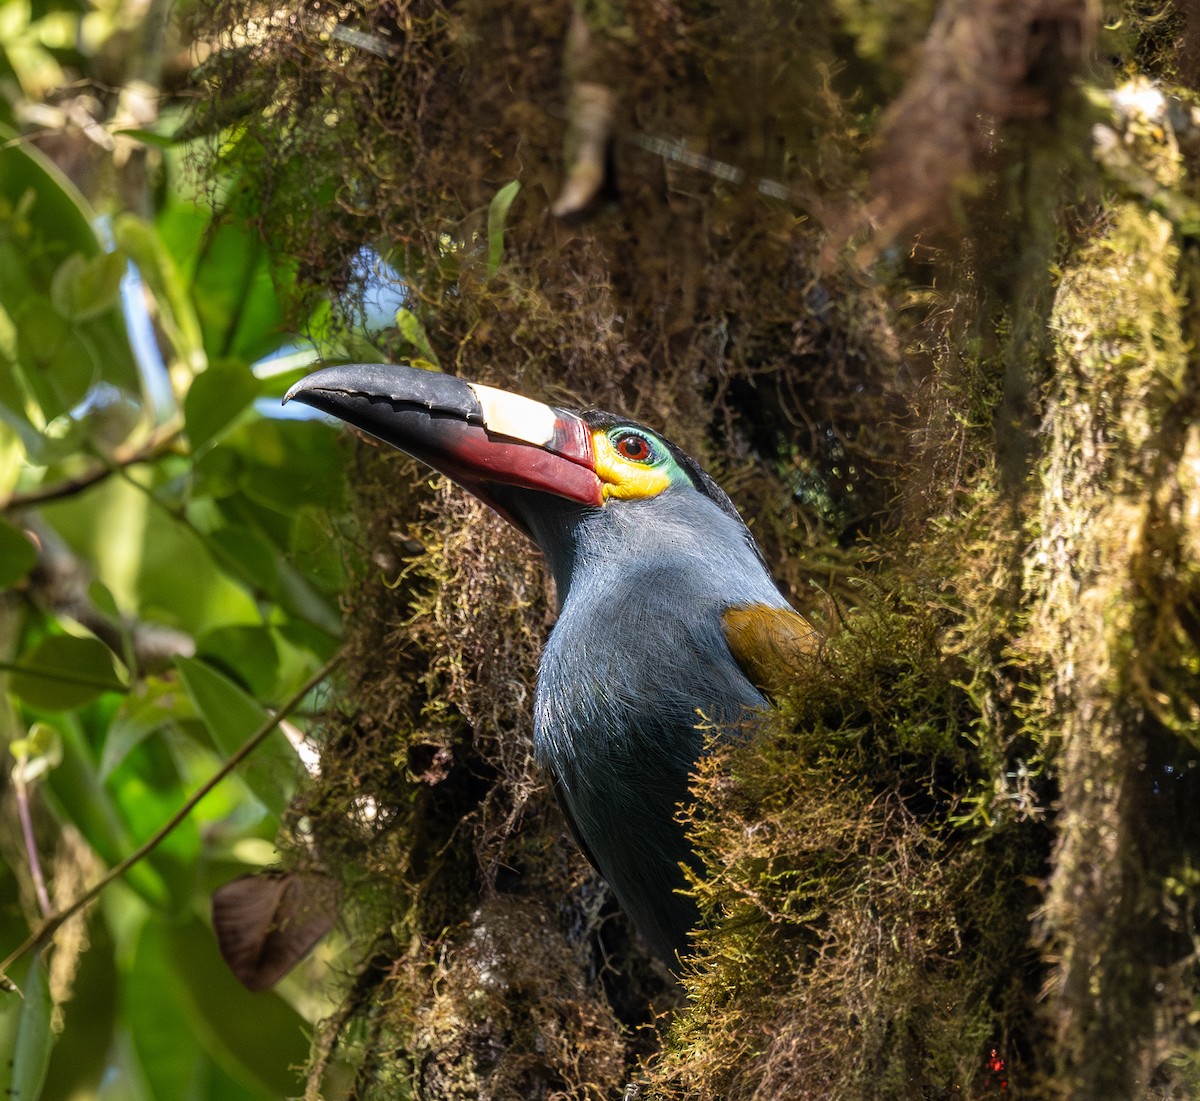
(670,629)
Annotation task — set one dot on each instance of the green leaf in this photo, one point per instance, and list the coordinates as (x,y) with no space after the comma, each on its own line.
(148,137)
(52,220)
(63,673)
(231,717)
(37,753)
(25,1035)
(247,654)
(59,209)
(158,1022)
(236,292)
(497,216)
(216,398)
(414,332)
(86,802)
(258,1038)
(57,362)
(154,704)
(314,545)
(17,554)
(85,287)
(146,247)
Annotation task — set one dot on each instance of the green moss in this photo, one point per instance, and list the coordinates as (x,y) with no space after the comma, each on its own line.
(863,941)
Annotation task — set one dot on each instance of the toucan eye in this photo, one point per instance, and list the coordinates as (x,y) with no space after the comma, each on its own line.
(635,448)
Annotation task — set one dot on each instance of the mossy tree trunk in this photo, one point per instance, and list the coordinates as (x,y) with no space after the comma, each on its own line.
(918,283)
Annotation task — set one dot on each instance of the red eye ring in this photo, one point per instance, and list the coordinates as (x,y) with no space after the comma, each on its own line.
(634,448)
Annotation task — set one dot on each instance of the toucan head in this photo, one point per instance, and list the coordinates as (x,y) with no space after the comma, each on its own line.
(541,467)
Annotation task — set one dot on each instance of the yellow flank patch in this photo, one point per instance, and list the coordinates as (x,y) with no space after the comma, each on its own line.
(622,477)
(770,644)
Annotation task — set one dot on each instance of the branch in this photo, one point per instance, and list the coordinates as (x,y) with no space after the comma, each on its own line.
(158,444)
(51,925)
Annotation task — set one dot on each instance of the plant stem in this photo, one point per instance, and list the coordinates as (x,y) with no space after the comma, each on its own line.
(52,923)
(21,790)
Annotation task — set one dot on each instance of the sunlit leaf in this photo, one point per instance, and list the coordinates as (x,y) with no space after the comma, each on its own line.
(55,222)
(497,216)
(414,332)
(84,287)
(36,753)
(161,274)
(25,1034)
(63,672)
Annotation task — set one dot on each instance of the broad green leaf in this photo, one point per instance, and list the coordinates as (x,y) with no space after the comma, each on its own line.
(105,603)
(246,654)
(231,717)
(58,364)
(236,291)
(252,557)
(155,567)
(54,221)
(258,1038)
(147,789)
(59,210)
(286,464)
(216,398)
(316,550)
(164,1035)
(64,673)
(17,554)
(497,216)
(84,287)
(25,1035)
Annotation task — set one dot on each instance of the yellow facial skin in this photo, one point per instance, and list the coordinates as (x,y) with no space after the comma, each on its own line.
(623,478)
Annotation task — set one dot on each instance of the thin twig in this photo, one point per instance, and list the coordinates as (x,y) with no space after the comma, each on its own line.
(51,925)
(160,442)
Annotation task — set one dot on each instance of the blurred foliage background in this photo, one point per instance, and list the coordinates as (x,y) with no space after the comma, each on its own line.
(169,570)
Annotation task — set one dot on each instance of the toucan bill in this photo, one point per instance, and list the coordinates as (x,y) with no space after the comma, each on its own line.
(475,434)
